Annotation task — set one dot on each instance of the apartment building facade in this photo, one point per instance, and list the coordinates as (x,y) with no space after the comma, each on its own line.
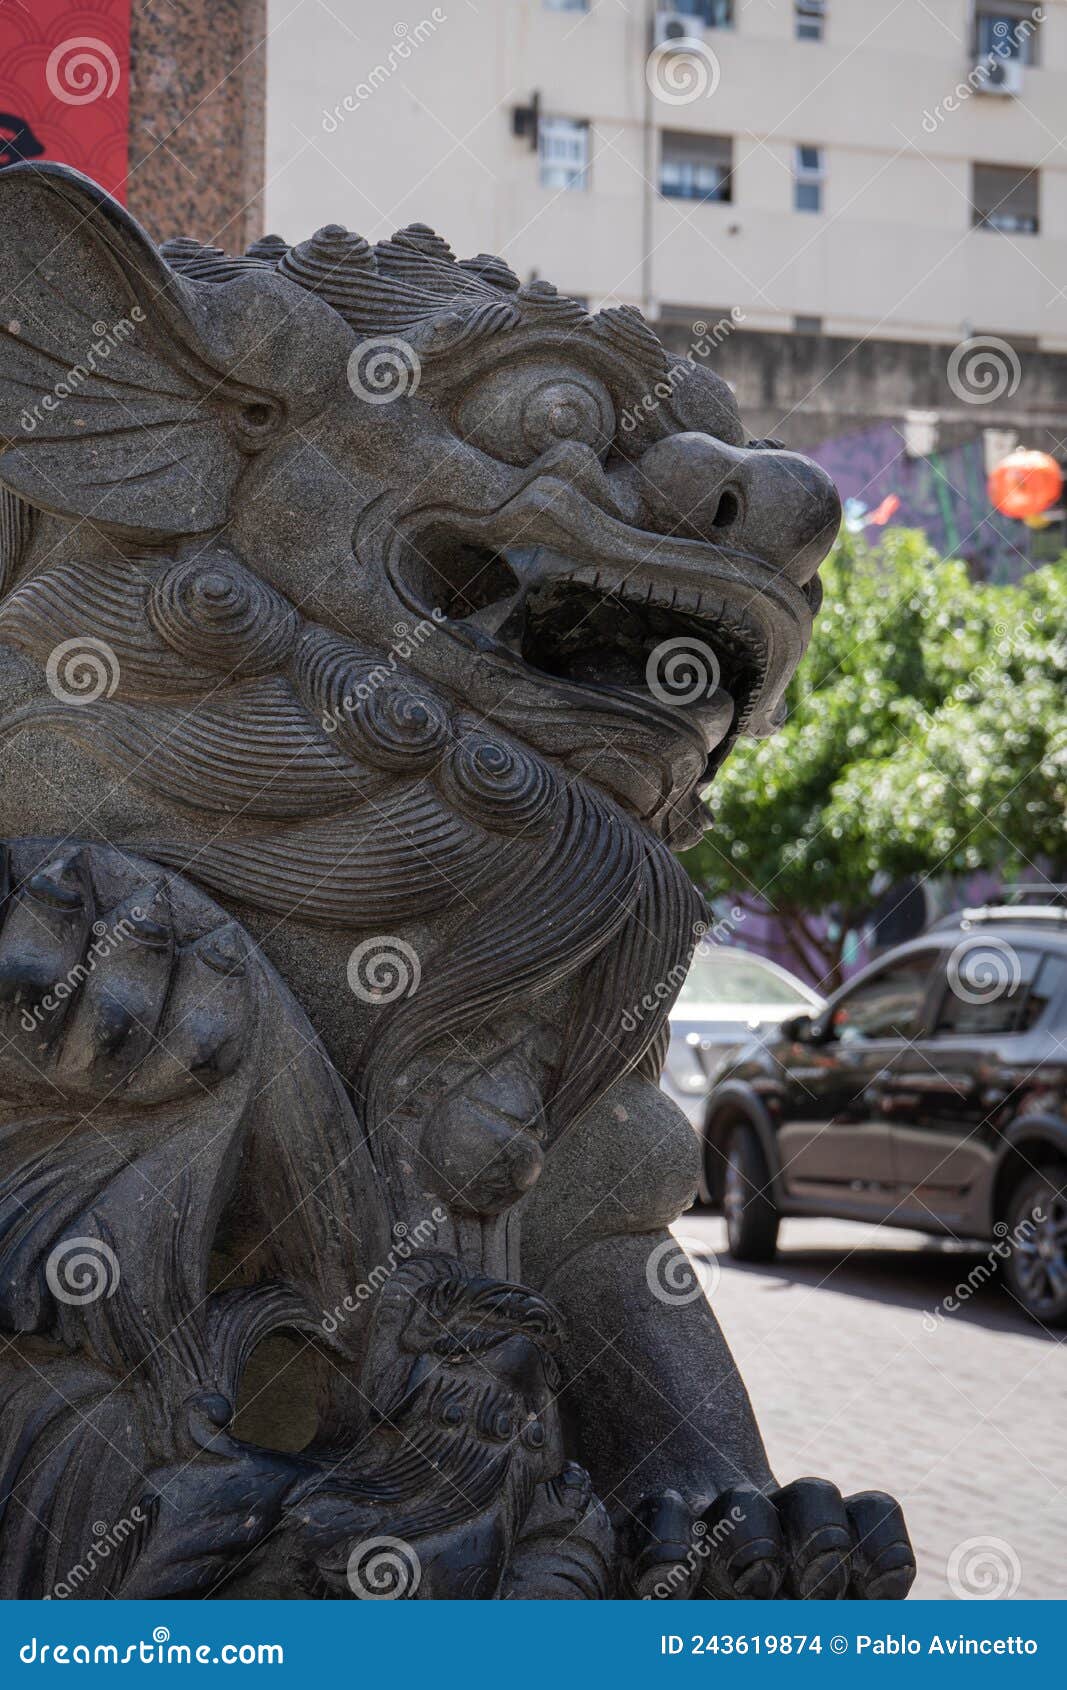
(856,209)
(841,194)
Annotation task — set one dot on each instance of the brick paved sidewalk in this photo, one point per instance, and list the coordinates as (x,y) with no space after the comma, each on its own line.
(964,1423)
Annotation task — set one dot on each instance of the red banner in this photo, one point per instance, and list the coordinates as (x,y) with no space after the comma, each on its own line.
(64,85)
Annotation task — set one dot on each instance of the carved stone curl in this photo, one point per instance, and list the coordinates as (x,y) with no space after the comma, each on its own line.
(369,627)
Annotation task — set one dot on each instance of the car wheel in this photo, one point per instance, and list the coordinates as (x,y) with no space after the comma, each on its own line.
(751,1215)
(1036,1270)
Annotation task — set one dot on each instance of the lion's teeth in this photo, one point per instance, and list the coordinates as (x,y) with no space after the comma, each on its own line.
(587,576)
(492,617)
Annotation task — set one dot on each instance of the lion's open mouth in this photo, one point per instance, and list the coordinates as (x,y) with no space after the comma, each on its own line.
(645,632)
(636,658)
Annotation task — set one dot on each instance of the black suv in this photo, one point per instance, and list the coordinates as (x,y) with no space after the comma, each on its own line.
(931,1093)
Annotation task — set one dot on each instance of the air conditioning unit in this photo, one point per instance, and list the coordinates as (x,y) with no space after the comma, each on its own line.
(674,29)
(526,121)
(996,73)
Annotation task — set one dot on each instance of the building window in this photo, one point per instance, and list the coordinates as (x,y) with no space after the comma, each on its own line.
(696,167)
(566,5)
(563,146)
(807,325)
(1008,31)
(808,174)
(713,14)
(810,18)
(1006,198)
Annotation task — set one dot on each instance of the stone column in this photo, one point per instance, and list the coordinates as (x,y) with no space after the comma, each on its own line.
(197,121)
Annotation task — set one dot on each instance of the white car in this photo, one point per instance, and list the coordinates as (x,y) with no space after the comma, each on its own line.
(728,995)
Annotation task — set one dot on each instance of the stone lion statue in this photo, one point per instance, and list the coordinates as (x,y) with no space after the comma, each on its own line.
(370,626)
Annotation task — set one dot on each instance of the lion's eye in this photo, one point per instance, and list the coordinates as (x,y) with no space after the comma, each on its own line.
(256,423)
(257,416)
(518,413)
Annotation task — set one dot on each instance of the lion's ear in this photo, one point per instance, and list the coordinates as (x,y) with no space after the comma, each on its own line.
(111,407)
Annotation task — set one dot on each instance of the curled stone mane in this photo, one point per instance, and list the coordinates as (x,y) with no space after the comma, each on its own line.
(413,284)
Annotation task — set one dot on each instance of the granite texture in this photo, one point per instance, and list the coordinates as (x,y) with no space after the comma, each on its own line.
(371,626)
(197,118)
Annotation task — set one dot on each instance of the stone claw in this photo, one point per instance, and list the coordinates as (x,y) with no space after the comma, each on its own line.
(883,1562)
(661,1560)
(744,1553)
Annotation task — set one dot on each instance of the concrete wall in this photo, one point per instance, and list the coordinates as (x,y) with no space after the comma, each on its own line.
(809,388)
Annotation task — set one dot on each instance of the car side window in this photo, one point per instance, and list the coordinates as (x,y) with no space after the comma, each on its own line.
(887,1005)
(1048,987)
(998,987)
(994,987)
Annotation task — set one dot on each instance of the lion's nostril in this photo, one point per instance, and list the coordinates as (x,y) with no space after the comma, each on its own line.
(727,511)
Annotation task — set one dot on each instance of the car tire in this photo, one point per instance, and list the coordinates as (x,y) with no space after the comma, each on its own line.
(751,1215)
(1036,1270)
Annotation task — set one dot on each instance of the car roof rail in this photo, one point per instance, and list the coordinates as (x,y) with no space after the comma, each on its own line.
(1029,892)
(1014,912)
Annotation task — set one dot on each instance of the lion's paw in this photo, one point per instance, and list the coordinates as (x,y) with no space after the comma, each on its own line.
(804,1541)
(105,989)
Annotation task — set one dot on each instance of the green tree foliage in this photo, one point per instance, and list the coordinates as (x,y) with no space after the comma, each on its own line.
(926,734)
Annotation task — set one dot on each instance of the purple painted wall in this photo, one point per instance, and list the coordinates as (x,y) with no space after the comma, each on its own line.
(945,495)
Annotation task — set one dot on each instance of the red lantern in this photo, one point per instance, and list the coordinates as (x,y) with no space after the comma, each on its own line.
(1025,483)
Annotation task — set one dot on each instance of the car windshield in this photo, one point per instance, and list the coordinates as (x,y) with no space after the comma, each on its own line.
(736,977)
